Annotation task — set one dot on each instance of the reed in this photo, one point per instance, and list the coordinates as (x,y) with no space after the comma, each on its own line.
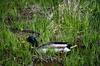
(55,20)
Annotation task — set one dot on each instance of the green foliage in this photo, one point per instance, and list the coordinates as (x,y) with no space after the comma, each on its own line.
(69,18)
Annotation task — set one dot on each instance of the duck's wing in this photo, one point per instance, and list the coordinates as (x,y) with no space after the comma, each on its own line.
(54,44)
(44,50)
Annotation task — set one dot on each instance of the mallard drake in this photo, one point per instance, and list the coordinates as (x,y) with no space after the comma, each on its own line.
(55,46)
(58,47)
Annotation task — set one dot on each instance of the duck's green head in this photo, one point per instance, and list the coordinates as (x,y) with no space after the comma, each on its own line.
(33,41)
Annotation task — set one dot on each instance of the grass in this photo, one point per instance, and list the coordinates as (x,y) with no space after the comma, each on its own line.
(68,20)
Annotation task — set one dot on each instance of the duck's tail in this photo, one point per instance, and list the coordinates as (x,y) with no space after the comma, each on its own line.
(73,46)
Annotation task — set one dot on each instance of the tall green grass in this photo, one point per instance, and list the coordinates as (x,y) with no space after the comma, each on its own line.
(69,18)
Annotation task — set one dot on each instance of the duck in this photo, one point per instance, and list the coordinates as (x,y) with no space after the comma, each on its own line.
(55,46)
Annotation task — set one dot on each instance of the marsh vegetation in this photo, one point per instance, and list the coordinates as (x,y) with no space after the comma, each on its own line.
(73,21)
